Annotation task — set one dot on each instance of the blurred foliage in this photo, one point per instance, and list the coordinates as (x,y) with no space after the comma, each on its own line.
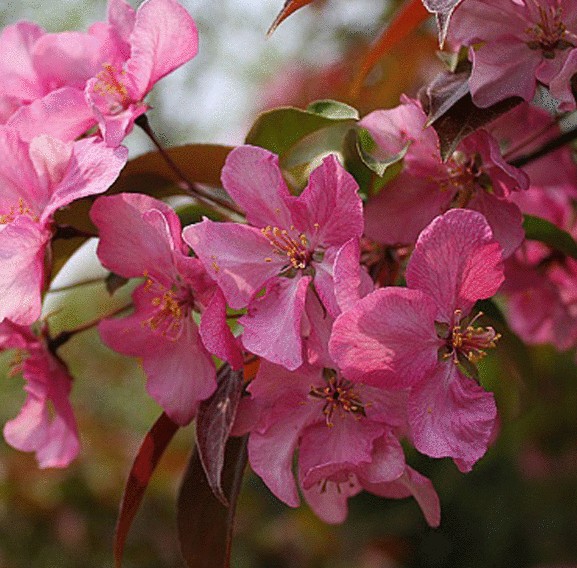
(518,508)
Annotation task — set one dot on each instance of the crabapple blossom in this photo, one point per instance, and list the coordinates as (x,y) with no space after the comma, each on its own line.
(516,44)
(37,179)
(475,176)
(289,248)
(141,237)
(423,337)
(346,435)
(46,423)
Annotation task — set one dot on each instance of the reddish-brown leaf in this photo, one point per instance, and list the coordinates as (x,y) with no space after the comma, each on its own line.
(409,16)
(290,6)
(214,421)
(149,454)
(204,523)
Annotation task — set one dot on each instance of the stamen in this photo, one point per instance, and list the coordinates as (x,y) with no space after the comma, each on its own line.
(550,33)
(295,248)
(110,85)
(470,342)
(16,210)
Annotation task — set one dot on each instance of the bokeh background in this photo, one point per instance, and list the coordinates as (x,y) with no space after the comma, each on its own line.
(518,508)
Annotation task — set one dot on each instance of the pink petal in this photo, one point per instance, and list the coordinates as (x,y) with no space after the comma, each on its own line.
(352,282)
(215,333)
(22,249)
(92,169)
(253,179)
(272,326)
(235,256)
(329,499)
(561,84)
(164,37)
(316,328)
(387,461)
(329,210)
(388,339)
(456,262)
(324,282)
(325,450)
(412,483)
(62,113)
(121,16)
(54,439)
(450,415)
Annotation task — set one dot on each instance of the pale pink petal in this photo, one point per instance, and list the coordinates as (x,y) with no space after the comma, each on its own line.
(329,499)
(456,262)
(272,326)
(326,450)
(412,483)
(253,178)
(329,210)
(451,416)
(215,333)
(504,218)
(324,282)
(22,249)
(129,245)
(316,328)
(235,256)
(121,16)
(403,208)
(388,339)
(62,113)
(92,169)
(53,438)
(51,158)
(351,281)
(164,37)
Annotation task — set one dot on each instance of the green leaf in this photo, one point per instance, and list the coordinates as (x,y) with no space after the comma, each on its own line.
(279,130)
(537,229)
(334,109)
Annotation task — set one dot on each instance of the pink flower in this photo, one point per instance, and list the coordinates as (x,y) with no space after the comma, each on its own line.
(346,436)
(36,179)
(522,43)
(289,248)
(475,176)
(140,237)
(423,337)
(159,38)
(46,423)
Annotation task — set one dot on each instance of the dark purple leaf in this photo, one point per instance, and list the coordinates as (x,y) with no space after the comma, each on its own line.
(213,424)
(114,282)
(442,93)
(204,523)
(147,458)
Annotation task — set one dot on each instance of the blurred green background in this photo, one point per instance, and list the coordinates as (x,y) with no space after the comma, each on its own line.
(518,508)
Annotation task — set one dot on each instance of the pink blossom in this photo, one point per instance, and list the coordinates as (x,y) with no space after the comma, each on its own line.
(289,248)
(161,37)
(46,423)
(476,177)
(346,436)
(36,179)
(515,44)
(140,237)
(423,338)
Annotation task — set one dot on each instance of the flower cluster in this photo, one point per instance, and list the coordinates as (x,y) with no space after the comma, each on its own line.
(352,364)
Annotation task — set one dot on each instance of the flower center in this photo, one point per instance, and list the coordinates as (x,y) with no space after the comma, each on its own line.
(469,343)
(111,87)
(465,175)
(291,244)
(17,210)
(338,395)
(170,309)
(550,33)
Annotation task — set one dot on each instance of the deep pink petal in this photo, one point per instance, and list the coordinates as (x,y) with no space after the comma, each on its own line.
(561,84)
(387,461)
(164,37)
(272,326)
(316,328)
(324,281)
(456,262)
(216,334)
(121,16)
(412,483)
(451,416)
(22,249)
(129,245)
(253,178)
(388,339)
(329,210)
(235,256)
(351,281)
